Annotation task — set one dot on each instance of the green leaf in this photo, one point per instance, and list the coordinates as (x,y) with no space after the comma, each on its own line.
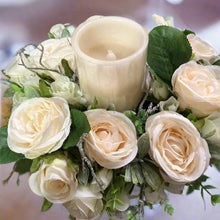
(128,173)
(46,78)
(169,209)
(17,88)
(71,165)
(47,158)
(215,199)
(190,190)
(217,63)
(136,174)
(9,93)
(46,205)
(209,187)
(78,106)
(143,145)
(196,184)
(51,36)
(119,202)
(83,174)
(65,33)
(168,48)
(30,92)
(186,32)
(37,162)
(202,193)
(44,89)
(111,107)
(151,175)
(23,166)
(214,151)
(71,217)
(94,104)
(6,155)
(80,125)
(67,69)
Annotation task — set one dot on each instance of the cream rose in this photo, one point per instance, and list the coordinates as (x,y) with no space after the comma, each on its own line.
(54,50)
(55,181)
(87,202)
(202,50)
(177,147)
(39,126)
(197,87)
(112,140)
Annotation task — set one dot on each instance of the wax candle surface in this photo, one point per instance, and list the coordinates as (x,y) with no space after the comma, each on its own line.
(110,52)
(111,58)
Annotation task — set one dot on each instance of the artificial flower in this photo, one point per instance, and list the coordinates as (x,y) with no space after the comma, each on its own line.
(49,54)
(160,90)
(211,129)
(177,147)
(202,50)
(57,30)
(87,202)
(54,181)
(16,71)
(170,104)
(39,126)
(197,87)
(161,21)
(63,87)
(112,140)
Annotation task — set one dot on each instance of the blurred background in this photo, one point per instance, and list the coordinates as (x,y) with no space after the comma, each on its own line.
(29,21)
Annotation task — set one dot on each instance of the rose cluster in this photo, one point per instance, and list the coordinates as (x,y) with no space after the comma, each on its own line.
(91,159)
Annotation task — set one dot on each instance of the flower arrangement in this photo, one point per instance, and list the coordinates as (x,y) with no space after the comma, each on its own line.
(94,159)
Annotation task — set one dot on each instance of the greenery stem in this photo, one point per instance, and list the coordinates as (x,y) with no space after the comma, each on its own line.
(88,162)
(205,189)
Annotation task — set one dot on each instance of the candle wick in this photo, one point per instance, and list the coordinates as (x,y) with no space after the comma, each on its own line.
(110,55)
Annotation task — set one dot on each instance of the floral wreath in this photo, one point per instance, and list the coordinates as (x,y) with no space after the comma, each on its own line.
(94,160)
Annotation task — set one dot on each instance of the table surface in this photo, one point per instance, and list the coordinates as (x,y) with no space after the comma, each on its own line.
(26,23)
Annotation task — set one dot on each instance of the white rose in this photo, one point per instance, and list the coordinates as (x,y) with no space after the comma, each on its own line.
(202,50)
(177,147)
(211,129)
(16,71)
(63,87)
(54,50)
(111,141)
(55,181)
(39,126)
(87,202)
(197,87)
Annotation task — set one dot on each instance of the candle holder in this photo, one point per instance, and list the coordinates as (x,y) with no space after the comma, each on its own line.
(111,61)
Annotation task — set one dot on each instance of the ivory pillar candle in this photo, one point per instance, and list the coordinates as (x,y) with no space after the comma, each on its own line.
(111,57)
